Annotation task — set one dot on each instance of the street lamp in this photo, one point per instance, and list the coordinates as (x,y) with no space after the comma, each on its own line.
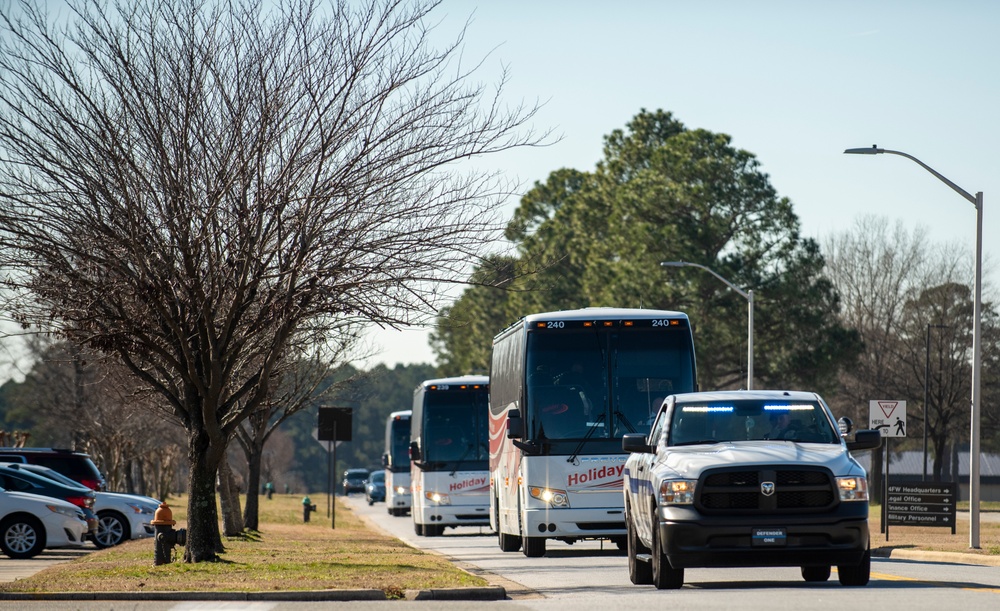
(977,201)
(748,295)
(927,376)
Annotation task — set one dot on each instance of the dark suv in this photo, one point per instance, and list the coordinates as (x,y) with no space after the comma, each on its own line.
(74,465)
(354,480)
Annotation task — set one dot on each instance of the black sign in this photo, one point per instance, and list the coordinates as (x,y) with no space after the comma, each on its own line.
(921,504)
(334,424)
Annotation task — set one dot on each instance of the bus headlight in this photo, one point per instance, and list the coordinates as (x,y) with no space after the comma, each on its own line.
(438,498)
(677,491)
(401,490)
(551,496)
(852,488)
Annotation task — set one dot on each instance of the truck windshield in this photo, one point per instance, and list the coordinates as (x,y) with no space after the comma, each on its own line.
(720,421)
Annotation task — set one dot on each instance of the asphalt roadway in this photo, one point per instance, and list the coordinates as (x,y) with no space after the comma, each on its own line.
(17,569)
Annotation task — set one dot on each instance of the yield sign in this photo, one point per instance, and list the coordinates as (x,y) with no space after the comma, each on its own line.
(887,417)
(887,407)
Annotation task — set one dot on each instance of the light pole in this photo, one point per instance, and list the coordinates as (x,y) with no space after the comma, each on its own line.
(927,376)
(977,201)
(748,295)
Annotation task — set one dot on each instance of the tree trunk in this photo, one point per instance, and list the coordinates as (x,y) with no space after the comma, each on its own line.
(204,543)
(229,499)
(252,513)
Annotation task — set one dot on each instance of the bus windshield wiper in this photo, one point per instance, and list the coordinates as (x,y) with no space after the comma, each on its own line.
(624,420)
(586,438)
(468,448)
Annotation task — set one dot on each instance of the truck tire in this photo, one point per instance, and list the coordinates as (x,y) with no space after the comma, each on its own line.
(639,572)
(665,577)
(816,573)
(858,574)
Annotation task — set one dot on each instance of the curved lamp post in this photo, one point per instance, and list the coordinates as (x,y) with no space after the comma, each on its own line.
(748,295)
(977,201)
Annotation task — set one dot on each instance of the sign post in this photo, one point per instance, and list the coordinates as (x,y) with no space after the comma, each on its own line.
(888,418)
(334,425)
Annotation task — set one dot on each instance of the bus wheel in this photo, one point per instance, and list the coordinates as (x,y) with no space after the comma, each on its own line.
(534,547)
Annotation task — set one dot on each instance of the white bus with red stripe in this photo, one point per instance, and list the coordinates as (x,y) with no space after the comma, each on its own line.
(396,461)
(564,387)
(449,450)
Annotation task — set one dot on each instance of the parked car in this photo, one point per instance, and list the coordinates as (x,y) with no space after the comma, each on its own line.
(30,523)
(120,516)
(13,477)
(375,487)
(746,478)
(74,465)
(354,480)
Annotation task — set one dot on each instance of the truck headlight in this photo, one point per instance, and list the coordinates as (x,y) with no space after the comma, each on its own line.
(677,491)
(852,488)
(438,498)
(555,498)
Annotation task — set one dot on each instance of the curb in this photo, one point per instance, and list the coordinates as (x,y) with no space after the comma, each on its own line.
(477,594)
(928,556)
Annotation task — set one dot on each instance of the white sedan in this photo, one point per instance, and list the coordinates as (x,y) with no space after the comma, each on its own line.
(122,517)
(30,523)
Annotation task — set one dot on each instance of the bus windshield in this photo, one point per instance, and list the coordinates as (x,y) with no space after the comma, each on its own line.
(596,383)
(399,450)
(456,429)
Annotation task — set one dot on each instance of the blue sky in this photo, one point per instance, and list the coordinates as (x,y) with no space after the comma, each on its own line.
(794,83)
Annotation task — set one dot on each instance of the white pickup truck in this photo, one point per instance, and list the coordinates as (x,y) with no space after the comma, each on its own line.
(746,478)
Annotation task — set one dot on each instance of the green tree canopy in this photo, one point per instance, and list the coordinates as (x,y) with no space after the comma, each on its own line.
(667,193)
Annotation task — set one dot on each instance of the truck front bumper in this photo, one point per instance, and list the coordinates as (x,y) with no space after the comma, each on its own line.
(690,539)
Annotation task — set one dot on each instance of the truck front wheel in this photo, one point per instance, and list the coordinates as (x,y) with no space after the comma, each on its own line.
(665,577)
(639,572)
(858,574)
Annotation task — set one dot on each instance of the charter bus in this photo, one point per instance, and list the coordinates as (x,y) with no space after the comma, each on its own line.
(396,460)
(449,454)
(564,388)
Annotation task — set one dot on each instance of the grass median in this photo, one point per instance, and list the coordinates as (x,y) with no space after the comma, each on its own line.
(286,554)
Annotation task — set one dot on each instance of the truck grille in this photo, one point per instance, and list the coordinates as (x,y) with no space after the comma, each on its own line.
(740,490)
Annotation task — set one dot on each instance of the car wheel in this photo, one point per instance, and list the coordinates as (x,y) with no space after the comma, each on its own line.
(857,575)
(639,572)
(111,530)
(665,577)
(815,573)
(22,537)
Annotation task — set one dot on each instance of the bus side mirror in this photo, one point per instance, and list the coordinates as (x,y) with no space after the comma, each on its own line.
(414,451)
(385,460)
(515,425)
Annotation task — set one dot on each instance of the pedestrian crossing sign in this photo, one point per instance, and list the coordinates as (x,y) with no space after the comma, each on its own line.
(887,417)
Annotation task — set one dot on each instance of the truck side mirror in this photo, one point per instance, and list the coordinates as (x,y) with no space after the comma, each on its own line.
(636,442)
(846,425)
(515,424)
(865,440)
(414,451)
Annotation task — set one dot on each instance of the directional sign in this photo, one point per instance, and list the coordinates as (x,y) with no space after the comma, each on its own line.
(888,417)
(921,504)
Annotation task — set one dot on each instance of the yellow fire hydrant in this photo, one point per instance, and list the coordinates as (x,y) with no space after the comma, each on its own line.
(166,536)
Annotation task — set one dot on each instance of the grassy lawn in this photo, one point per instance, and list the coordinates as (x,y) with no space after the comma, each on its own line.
(286,554)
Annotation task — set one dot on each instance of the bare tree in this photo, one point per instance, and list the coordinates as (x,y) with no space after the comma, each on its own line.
(892,284)
(188,184)
(93,405)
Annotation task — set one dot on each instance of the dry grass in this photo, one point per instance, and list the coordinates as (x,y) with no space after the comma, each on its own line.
(286,555)
(935,538)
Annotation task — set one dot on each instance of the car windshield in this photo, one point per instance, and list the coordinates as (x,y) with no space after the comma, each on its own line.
(700,422)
